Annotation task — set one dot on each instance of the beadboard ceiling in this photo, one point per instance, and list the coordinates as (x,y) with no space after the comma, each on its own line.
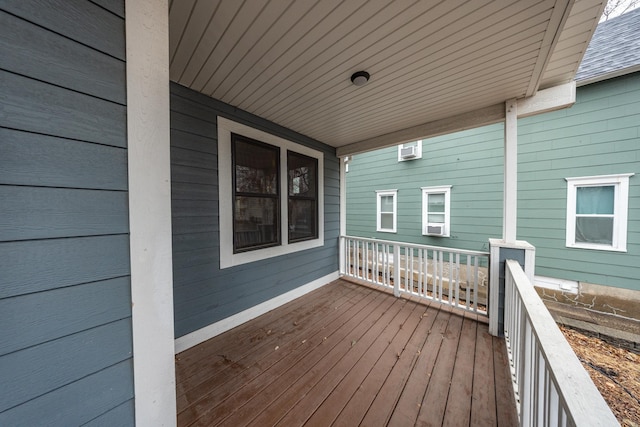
(289,61)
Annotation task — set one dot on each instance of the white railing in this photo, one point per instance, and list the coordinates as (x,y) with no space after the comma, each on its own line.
(452,276)
(551,386)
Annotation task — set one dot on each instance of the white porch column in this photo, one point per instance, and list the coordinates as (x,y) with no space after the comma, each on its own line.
(510,206)
(343,213)
(147,39)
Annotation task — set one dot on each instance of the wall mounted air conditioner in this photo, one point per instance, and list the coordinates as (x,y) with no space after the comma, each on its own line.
(408,152)
(435,229)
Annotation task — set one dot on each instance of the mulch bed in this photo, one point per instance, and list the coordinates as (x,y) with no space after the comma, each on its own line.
(614,370)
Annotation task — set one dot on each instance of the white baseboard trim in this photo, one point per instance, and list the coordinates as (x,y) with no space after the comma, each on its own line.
(203,334)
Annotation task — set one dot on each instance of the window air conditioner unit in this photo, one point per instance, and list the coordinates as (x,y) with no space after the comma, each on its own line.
(408,152)
(435,230)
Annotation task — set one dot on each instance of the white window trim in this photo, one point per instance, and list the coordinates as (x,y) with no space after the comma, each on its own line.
(446,189)
(225,209)
(620,212)
(418,145)
(379,195)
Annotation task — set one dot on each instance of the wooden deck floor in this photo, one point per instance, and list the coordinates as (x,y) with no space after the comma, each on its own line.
(348,355)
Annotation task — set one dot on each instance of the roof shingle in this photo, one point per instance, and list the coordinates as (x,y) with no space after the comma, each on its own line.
(615,47)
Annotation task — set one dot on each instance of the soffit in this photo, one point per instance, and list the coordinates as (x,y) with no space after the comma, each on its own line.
(289,61)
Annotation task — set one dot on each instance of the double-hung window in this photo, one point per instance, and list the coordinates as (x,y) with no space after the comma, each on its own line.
(386,211)
(270,195)
(256,194)
(435,210)
(597,212)
(303,196)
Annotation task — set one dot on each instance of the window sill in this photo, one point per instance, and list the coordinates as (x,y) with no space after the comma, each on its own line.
(596,247)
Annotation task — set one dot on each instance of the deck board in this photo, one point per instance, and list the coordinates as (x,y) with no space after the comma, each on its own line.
(348,355)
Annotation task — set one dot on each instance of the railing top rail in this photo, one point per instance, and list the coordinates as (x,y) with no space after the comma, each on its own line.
(584,402)
(417,246)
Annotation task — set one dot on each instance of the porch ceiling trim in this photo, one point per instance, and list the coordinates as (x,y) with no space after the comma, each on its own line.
(551,99)
(558,19)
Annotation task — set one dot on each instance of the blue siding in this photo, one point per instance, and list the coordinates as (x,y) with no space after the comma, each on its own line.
(204,294)
(65,293)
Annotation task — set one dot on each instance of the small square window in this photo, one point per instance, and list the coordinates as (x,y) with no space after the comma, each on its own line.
(597,212)
(435,210)
(386,202)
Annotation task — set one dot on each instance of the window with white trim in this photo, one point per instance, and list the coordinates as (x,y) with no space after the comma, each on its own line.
(270,195)
(410,151)
(386,210)
(436,210)
(597,212)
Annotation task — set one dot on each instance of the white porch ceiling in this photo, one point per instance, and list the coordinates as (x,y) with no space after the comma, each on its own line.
(290,61)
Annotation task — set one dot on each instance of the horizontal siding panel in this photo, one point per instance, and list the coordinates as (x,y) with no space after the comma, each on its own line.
(188,208)
(196,159)
(121,416)
(185,242)
(38,107)
(187,174)
(27,374)
(190,141)
(195,257)
(78,20)
(35,52)
(185,123)
(201,224)
(190,275)
(114,6)
(189,191)
(53,314)
(77,402)
(40,160)
(33,266)
(39,213)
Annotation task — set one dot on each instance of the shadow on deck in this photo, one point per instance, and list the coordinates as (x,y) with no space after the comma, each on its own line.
(348,355)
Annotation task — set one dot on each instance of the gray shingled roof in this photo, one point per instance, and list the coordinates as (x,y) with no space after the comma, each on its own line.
(615,47)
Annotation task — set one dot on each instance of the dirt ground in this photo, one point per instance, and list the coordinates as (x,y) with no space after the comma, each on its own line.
(614,370)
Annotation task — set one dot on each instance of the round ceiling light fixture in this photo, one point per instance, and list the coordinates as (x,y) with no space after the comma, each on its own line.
(360,78)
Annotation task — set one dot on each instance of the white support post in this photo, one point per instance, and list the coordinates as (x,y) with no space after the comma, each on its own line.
(510,207)
(396,270)
(147,40)
(343,215)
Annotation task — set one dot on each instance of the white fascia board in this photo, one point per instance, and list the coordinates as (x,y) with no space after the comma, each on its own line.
(551,99)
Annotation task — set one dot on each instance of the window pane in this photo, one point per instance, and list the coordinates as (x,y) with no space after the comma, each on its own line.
(595,200)
(255,222)
(594,230)
(386,204)
(386,221)
(302,175)
(256,166)
(302,219)
(436,202)
(437,218)
(302,184)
